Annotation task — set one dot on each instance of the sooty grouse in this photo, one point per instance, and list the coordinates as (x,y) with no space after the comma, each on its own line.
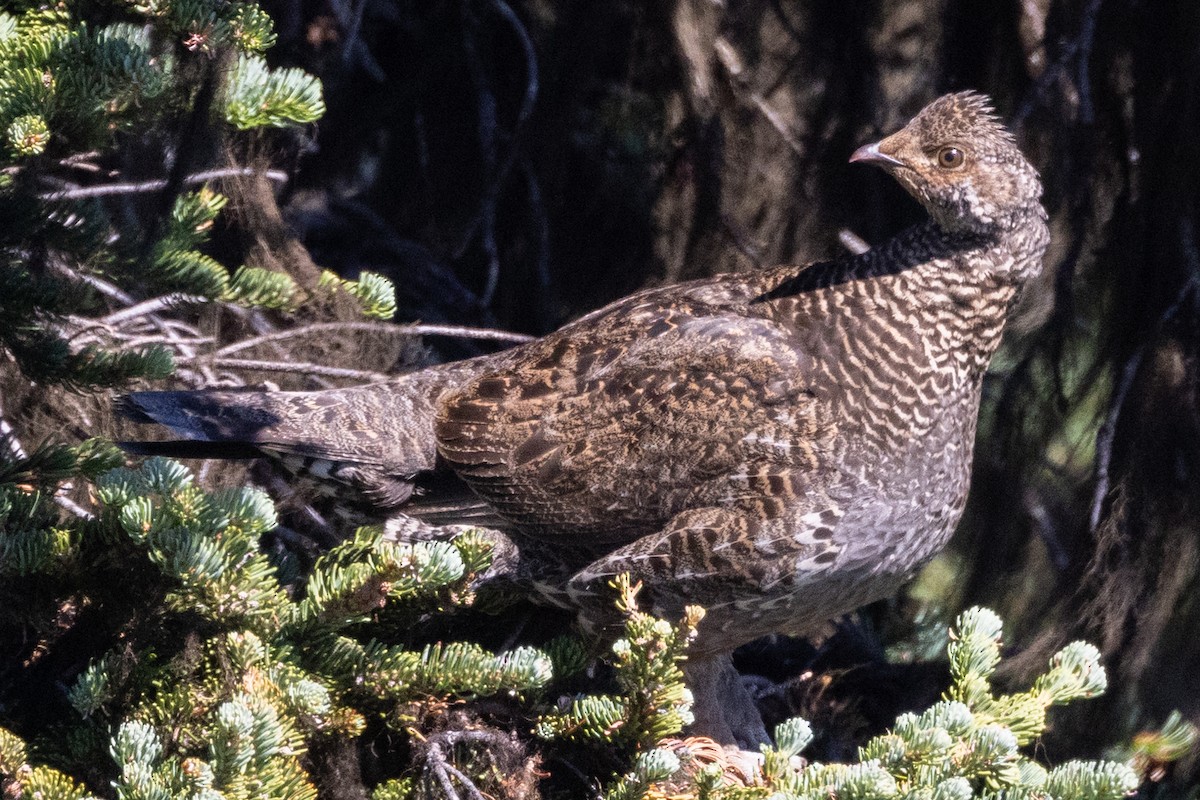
(779,446)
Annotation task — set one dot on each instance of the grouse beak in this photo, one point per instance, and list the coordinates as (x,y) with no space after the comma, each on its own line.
(871,154)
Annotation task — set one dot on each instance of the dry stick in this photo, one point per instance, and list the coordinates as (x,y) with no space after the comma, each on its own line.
(148,307)
(110,290)
(438,768)
(70,505)
(149,339)
(74,160)
(436,763)
(416,329)
(442,767)
(254,319)
(99,284)
(170,330)
(9,435)
(778,123)
(261,325)
(854,243)
(106,189)
(299,368)
(732,63)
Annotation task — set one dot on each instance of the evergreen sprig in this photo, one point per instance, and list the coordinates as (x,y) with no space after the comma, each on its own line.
(966,746)
(258,96)
(654,702)
(375,294)
(70,87)
(33,782)
(271,666)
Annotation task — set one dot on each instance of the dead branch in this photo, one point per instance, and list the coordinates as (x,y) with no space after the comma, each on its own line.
(298,368)
(148,307)
(385,328)
(108,189)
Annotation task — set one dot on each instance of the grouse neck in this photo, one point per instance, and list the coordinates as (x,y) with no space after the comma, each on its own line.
(1008,256)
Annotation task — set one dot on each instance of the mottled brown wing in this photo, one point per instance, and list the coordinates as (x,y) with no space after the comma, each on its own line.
(754,574)
(613,427)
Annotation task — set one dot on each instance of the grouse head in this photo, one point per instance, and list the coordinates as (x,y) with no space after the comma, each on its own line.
(961,164)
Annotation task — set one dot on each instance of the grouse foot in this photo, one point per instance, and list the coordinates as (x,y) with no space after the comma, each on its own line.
(723,708)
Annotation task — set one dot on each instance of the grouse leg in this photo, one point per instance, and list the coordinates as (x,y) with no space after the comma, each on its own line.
(723,709)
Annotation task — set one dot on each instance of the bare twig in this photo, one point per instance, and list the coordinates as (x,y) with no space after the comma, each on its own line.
(300,368)
(174,332)
(9,435)
(148,307)
(437,763)
(386,328)
(77,158)
(732,63)
(152,339)
(465,332)
(778,123)
(106,189)
(70,505)
(105,288)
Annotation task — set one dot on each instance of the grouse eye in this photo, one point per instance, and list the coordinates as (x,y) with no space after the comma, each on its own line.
(950,158)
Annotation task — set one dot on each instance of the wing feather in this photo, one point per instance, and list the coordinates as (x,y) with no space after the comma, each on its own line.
(613,430)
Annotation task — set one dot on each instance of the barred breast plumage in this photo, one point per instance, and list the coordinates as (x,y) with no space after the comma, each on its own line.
(779,446)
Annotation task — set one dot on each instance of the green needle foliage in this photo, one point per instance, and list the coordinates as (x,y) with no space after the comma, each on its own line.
(73,96)
(374,293)
(263,668)
(215,674)
(966,746)
(653,702)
